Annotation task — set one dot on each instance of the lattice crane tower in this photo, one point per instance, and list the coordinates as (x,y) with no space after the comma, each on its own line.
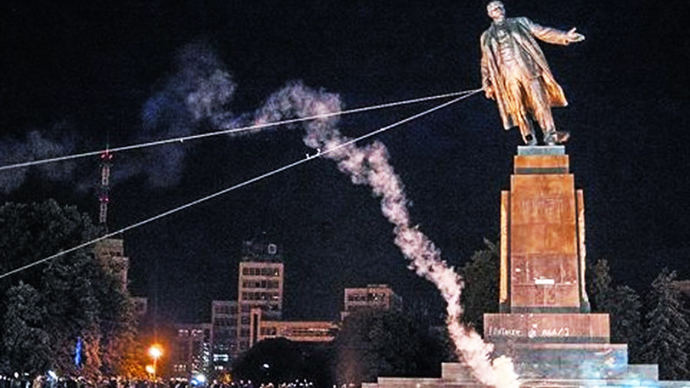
(103,193)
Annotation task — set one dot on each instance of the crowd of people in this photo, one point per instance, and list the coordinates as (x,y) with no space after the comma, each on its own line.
(80,382)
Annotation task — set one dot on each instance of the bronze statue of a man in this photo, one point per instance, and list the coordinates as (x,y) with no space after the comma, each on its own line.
(516,75)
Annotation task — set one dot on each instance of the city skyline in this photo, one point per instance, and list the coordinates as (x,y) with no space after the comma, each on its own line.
(86,77)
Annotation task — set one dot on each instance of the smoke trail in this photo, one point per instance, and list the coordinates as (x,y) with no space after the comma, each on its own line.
(198,92)
(34,146)
(370,165)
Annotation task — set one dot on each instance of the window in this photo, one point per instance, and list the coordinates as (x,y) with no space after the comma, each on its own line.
(221,358)
(222,309)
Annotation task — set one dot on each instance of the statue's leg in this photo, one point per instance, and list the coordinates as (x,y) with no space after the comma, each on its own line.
(541,107)
(519,110)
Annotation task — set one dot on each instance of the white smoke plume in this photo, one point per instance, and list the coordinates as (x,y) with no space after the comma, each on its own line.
(35,145)
(370,165)
(197,92)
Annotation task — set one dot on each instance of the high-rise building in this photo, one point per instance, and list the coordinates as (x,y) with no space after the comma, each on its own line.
(297,331)
(191,353)
(111,253)
(373,296)
(224,319)
(260,284)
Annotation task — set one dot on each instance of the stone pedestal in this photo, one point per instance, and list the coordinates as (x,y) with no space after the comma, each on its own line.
(542,236)
(544,323)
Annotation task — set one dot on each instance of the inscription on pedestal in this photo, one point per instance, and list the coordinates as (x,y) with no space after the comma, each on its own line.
(568,328)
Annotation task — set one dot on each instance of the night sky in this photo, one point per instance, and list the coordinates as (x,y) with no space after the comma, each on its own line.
(78,76)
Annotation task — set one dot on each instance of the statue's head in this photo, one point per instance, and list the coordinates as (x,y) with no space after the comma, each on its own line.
(496,10)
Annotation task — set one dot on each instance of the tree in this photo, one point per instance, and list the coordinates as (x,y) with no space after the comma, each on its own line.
(384,343)
(480,294)
(120,352)
(666,339)
(600,286)
(279,360)
(626,321)
(25,344)
(79,298)
(69,292)
(622,304)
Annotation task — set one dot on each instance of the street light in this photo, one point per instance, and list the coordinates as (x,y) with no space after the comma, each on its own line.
(155,351)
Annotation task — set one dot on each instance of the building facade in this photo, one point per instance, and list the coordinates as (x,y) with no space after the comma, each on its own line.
(191,353)
(373,296)
(260,285)
(111,253)
(298,331)
(224,318)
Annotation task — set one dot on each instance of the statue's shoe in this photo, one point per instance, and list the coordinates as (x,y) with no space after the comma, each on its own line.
(557,137)
(530,140)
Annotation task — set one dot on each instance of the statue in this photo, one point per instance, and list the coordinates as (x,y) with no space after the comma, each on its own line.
(516,75)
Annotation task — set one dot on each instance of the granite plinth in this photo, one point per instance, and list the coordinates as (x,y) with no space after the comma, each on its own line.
(541,150)
(567,360)
(540,238)
(457,375)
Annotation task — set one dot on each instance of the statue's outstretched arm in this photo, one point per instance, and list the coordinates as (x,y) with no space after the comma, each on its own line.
(552,35)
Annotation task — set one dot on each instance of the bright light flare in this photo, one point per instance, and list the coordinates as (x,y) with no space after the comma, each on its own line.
(200,378)
(155,351)
(150,369)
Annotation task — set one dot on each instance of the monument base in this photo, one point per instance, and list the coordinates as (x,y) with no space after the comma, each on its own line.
(457,375)
(542,327)
(545,326)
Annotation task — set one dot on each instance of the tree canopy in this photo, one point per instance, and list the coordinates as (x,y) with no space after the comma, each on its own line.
(385,343)
(623,305)
(480,294)
(667,337)
(77,303)
(280,360)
